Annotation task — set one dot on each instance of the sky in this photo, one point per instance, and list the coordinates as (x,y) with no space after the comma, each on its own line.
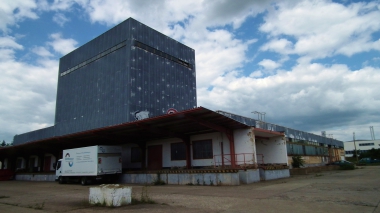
(308,65)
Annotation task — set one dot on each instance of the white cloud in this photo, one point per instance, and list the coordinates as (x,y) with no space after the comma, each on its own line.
(62,45)
(9,42)
(269,64)
(13,11)
(322,28)
(306,92)
(25,91)
(42,52)
(60,19)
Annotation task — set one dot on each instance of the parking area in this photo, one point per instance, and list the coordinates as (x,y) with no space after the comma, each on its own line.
(331,191)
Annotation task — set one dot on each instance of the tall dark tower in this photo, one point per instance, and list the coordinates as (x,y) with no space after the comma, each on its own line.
(130,72)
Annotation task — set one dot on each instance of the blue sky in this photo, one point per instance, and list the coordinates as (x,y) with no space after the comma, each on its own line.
(309,65)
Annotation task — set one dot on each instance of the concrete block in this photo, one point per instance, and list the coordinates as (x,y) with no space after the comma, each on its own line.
(173,179)
(209,179)
(197,179)
(249,176)
(110,195)
(185,178)
(274,174)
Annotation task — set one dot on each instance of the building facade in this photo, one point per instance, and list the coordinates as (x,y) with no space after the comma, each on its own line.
(128,73)
(361,146)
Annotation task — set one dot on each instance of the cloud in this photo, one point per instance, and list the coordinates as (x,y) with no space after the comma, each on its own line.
(322,29)
(42,52)
(27,92)
(60,19)
(269,64)
(13,11)
(314,95)
(9,42)
(62,45)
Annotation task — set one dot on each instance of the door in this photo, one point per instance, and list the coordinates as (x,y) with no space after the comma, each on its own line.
(47,162)
(155,157)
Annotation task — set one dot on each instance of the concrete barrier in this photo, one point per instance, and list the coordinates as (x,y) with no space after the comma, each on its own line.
(35,177)
(110,195)
(274,174)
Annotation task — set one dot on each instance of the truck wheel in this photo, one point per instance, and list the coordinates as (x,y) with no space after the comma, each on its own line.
(83,181)
(60,180)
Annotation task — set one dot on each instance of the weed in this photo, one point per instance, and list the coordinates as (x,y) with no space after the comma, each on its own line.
(198,182)
(211,182)
(1,196)
(144,198)
(318,175)
(220,183)
(204,183)
(189,184)
(158,181)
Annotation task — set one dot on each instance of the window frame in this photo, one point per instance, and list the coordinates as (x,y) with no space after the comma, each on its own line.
(182,156)
(194,146)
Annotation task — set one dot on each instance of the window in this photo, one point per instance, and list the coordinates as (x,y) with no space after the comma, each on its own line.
(178,151)
(202,149)
(366,144)
(135,154)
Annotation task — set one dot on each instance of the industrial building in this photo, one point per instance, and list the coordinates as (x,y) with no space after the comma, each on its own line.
(361,146)
(135,87)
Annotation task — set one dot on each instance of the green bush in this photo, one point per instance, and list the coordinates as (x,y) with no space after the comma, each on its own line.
(297,161)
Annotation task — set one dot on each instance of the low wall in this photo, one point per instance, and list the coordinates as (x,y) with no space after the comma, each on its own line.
(274,174)
(249,176)
(309,170)
(229,179)
(35,177)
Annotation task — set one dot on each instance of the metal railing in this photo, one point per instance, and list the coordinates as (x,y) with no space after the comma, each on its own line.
(241,159)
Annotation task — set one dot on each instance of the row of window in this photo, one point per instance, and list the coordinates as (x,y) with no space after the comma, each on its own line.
(294,140)
(102,54)
(366,144)
(298,149)
(201,150)
(358,151)
(162,54)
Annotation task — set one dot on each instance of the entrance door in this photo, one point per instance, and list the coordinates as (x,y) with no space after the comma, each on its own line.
(155,157)
(47,162)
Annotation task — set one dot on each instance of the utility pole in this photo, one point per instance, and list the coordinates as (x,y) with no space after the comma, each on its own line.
(356,153)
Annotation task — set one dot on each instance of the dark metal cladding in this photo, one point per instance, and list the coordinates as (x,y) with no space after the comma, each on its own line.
(110,80)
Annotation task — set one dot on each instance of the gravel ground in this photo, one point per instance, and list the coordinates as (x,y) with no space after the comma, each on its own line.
(333,191)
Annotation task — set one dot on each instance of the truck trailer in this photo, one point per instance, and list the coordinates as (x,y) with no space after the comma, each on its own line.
(89,164)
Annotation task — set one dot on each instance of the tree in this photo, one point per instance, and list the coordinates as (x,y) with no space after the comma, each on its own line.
(3,143)
(297,161)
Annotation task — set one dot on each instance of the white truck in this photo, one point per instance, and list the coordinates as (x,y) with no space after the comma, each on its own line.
(89,164)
